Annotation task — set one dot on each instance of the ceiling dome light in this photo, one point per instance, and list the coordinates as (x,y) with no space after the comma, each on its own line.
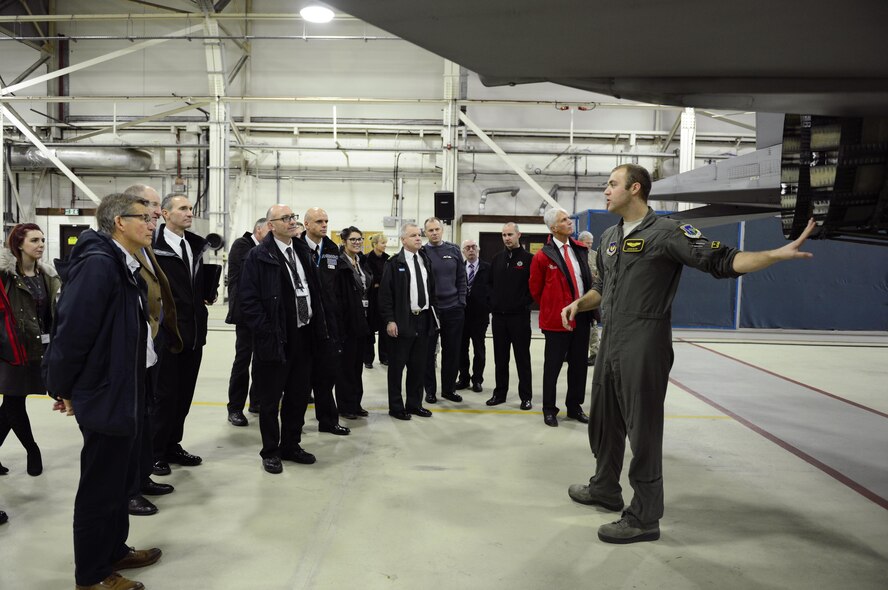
(316,14)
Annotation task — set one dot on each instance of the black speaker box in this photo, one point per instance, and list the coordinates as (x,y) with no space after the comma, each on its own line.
(444,205)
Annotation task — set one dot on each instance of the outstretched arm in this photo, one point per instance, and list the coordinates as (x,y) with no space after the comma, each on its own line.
(746,262)
(590,300)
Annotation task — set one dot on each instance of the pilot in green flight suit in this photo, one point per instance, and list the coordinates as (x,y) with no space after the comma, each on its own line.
(640,263)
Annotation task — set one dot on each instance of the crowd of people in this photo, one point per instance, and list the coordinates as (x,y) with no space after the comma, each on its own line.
(120,347)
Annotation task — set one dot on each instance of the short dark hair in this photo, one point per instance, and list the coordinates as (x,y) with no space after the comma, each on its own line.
(114,205)
(344,234)
(639,174)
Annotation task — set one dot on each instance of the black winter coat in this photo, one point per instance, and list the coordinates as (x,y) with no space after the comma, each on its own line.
(326,270)
(99,338)
(508,281)
(236,256)
(478,299)
(375,264)
(191,311)
(262,288)
(352,319)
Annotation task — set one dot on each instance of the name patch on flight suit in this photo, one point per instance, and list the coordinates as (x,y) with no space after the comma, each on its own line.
(611,248)
(633,245)
(690,231)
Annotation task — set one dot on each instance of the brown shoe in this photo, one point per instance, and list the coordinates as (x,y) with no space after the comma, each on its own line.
(114,582)
(137,558)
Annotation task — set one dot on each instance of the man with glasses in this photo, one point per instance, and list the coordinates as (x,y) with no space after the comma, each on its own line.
(476,320)
(280,300)
(96,361)
(180,255)
(165,334)
(324,261)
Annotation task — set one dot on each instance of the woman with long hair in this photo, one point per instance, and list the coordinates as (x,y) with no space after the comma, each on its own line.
(352,284)
(375,262)
(32,287)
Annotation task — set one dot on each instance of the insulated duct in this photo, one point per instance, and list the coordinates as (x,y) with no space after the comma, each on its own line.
(84,157)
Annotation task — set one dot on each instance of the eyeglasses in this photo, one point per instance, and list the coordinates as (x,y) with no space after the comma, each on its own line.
(286,218)
(143,216)
(470,247)
(356,240)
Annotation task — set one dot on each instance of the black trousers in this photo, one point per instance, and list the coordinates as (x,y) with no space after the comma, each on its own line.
(239,382)
(176,379)
(285,385)
(146,451)
(14,416)
(382,342)
(109,468)
(327,365)
(409,350)
(451,321)
(474,331)
(511,334)
(572,347)
(349,384)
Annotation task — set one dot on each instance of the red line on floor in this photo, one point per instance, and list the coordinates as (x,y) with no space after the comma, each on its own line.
(785,378)
(841,477)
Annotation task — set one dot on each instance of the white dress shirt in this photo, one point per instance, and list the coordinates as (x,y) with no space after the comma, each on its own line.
(414,292)
(574,262)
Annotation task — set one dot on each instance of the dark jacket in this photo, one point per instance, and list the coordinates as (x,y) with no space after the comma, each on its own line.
(394,290)
(375,264)
(191,311)
(160,302)
(509,281)
(450,274)
(264,283)
(350,294)
(551,286)
(24,308)
(236,256)
(478,298)
(326,269)
(96,357)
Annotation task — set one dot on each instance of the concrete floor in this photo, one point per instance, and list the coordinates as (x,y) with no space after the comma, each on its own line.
(477,497)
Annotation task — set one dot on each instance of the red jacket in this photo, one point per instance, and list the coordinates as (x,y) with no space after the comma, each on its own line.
(550,286)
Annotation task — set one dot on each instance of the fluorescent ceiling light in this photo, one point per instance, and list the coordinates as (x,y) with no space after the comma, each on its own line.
(316,14)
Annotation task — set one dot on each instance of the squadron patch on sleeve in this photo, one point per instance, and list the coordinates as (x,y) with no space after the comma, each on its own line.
(611,248)
(715,245)
(690,231)
(633,246)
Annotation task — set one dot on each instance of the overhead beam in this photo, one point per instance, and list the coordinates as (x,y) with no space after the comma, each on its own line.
(98,60)
(508,160)
(26,131)
(42,60)
(128,124)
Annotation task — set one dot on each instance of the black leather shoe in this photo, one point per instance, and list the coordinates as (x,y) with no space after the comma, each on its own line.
(362,412)
(253,409)
(368,365)
(431,399)
(579,416)
(403,415)
(476,387)
(156,489)
(454,397)
(141,506)
(298,455)
(272,465)
(495,401)
(525,404)
(161,468)
(334,429)
(183,457)
(3,470)
(348,415)
(550,420)
(384,363)
(237,419)
(3,517)
(419,412)
(461,384)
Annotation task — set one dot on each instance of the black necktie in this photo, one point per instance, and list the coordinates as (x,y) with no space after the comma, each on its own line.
(301,300)
(317,256)
(185,257)
(420,289)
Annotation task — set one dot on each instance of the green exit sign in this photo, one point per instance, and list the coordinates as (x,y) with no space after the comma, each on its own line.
(72,211)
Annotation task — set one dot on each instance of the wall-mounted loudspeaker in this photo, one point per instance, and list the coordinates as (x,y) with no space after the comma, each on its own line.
(444,205)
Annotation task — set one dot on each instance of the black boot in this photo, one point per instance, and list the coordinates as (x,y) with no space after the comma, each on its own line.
(35,462)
